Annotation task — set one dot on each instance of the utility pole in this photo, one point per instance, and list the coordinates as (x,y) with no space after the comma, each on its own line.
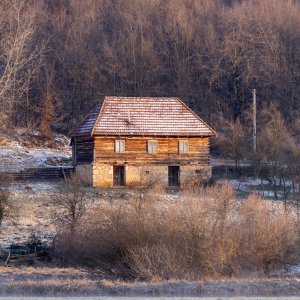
(254,120)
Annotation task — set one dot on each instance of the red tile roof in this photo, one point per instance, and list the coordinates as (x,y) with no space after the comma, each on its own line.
(140,116)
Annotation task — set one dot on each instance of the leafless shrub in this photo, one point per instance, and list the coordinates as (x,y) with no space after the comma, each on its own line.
(5,205)
(71,198)
(7,208)
(208,233)
(196,182)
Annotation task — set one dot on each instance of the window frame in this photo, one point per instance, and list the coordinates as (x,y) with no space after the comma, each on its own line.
(118,147)
(182,149)
(154,149)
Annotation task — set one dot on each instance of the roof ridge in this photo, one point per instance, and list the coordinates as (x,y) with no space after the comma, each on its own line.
(135,97)
(99,114)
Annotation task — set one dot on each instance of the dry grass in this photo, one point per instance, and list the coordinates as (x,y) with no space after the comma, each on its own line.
(43,281)
(46,281)
(207,233)
(4,141)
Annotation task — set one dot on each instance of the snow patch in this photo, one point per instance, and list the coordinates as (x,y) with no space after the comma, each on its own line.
(20,158)
(23,153)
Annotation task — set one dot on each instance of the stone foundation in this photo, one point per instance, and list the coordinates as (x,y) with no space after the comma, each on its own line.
(194,175)
(137,176)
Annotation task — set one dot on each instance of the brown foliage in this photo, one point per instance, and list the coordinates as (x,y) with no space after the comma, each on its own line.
(209,53)
(233,140)
(208,233)
(48,114)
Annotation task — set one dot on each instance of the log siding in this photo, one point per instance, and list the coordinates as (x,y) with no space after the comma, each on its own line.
(136,151)
(84,150)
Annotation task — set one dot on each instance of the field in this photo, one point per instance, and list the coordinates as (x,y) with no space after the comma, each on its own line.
(38,210)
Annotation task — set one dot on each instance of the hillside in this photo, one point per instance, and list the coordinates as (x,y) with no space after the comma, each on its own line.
(68,55)
(28,149)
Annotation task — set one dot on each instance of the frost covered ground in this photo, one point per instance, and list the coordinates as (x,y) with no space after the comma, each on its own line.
(28,150)
(36,209)
(33,211)
(246,185)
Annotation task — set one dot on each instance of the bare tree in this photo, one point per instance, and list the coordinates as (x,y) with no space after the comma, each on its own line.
(275,148)
(232,141)
(72,198)
(19,57)
(209,53)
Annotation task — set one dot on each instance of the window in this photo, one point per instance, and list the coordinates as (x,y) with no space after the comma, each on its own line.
(119,146)
(152,147)
(183,147)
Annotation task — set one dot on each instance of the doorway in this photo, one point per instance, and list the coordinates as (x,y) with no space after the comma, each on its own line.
(119,176)
(174,177)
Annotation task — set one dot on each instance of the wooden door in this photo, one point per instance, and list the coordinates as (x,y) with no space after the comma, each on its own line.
(119,176)
(174,175)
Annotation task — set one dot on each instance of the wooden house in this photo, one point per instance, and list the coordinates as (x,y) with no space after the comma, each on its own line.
(129,141)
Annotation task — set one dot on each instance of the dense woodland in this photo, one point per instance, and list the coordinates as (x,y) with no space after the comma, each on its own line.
(59,57)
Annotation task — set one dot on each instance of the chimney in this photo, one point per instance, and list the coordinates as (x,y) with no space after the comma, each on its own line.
(128,119)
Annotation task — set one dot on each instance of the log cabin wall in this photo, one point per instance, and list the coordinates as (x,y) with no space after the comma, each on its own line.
(83,150)
(141,166)
(136,150)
